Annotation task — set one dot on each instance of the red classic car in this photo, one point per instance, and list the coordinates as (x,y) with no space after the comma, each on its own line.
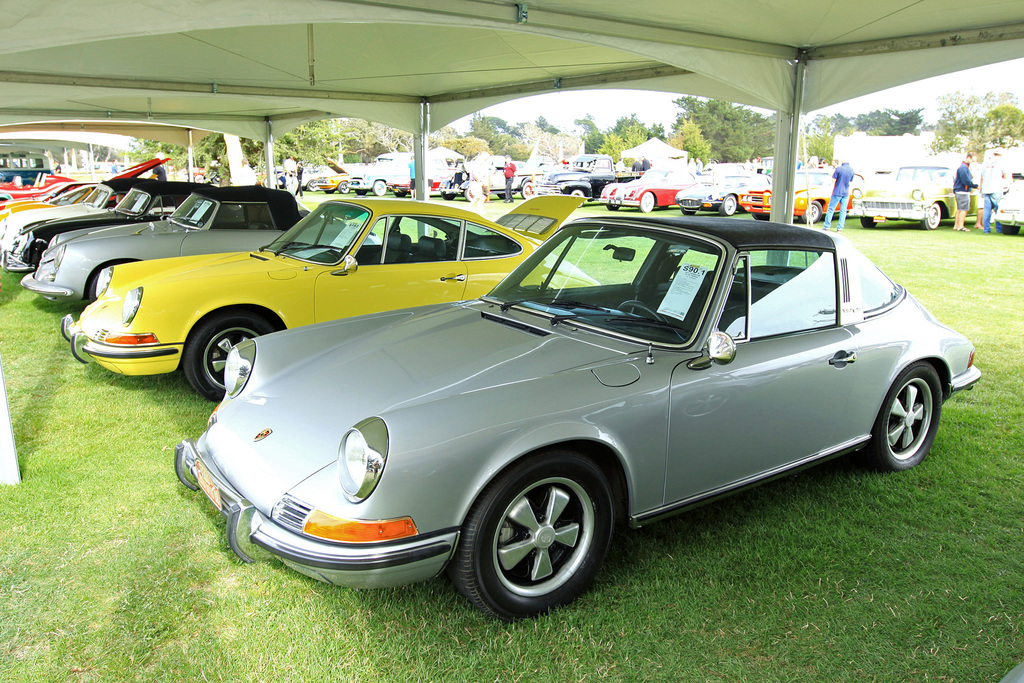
(813,190)
(654,189)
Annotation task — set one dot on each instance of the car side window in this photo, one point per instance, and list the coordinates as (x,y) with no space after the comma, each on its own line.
(790,291)
(429,238)
(483,242)
(877,291)
(372,248)
(166,204)
(258,217)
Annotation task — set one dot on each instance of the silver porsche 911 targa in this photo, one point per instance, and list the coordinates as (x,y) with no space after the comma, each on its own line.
(626,371)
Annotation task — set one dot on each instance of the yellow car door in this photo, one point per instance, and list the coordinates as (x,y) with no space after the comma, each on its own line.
(403,261)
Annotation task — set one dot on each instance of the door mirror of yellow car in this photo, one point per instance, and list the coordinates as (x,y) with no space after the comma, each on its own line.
(348,265)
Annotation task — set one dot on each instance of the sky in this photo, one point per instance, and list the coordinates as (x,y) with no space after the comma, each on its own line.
(561,109)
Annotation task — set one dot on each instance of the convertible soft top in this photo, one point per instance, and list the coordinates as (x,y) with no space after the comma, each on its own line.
(282,204)
(120,185)
(159,188)
(744,235)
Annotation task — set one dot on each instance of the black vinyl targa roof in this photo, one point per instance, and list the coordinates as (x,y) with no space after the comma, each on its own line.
(282,204)
(742,234)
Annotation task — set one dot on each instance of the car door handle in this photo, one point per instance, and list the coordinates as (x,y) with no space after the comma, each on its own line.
(843,358)
(460,278)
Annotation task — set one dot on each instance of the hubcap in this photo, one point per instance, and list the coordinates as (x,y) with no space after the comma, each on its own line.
(216,352)
(543,536)
(909,419)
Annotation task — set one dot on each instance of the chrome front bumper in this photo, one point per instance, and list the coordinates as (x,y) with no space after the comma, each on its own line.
(13,264)
(47,289)
(896,213)
(253,536)
(85,349)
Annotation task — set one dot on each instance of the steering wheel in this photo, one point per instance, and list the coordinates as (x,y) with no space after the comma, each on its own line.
(644,308)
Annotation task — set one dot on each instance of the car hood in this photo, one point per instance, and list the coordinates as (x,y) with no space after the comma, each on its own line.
(311,384)
(159,272)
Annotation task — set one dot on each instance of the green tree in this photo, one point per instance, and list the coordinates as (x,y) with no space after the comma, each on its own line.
(633,134)
(890,122)
(592,136)
(975,122)
(689,138)
(821,138)
(735,132)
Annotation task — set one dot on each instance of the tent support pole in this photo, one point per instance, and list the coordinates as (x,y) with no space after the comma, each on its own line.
(787,136)
(190,159)
(268,150)
(420,142)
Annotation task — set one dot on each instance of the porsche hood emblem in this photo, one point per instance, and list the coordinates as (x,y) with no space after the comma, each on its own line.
(264,434)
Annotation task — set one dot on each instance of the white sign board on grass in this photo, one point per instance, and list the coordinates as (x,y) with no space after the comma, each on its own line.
(9,473)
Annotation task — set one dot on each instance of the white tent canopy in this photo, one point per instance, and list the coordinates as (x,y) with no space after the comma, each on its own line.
(260,67)
(654,149)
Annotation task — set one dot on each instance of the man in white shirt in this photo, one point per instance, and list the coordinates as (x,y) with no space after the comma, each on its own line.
(993,184)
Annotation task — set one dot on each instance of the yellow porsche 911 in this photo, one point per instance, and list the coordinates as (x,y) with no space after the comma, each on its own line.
(345,258)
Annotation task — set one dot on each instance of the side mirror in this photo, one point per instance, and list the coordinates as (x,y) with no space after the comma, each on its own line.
(348,265)
(720,349)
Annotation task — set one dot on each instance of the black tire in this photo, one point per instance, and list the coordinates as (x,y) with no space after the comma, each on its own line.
(907,422)
(508,536)
(867,222)
(447,196)
(400,193)
(688,212)
(330,191)
(208,344)
(760,216)
(1011,229)
(612,207)
(728,206)
(343,188)
(932,217)
(361,193)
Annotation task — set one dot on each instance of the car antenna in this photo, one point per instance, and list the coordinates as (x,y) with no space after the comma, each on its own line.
(650,354)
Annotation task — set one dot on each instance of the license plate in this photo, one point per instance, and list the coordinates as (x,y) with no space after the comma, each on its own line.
(879,219)
(615,201)
(206,484)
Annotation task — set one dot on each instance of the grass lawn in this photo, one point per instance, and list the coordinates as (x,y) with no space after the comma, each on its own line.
(110,570)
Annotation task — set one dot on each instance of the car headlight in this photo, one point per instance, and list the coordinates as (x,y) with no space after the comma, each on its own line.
(58,256)
(238,366)
(132,301)
(917,195)
(361,456)
(102,280)
(857,193)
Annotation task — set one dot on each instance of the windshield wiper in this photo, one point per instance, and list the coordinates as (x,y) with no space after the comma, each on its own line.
(286,245)
(646,322)
(556,302)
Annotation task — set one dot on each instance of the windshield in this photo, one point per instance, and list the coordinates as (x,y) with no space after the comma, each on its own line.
(73,196)
(99,196)
(195,212)
(922,174)
(323,236)
(632,282)
(134,203)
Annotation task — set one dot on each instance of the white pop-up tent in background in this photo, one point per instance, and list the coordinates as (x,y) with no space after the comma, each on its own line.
(9,473)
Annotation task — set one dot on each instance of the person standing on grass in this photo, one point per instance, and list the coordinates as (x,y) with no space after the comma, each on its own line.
(840,195)
(993,182)
(963,183)
(510,173)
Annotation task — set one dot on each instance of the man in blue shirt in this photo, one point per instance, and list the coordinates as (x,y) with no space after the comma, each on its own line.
(963,183)
(840,195)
